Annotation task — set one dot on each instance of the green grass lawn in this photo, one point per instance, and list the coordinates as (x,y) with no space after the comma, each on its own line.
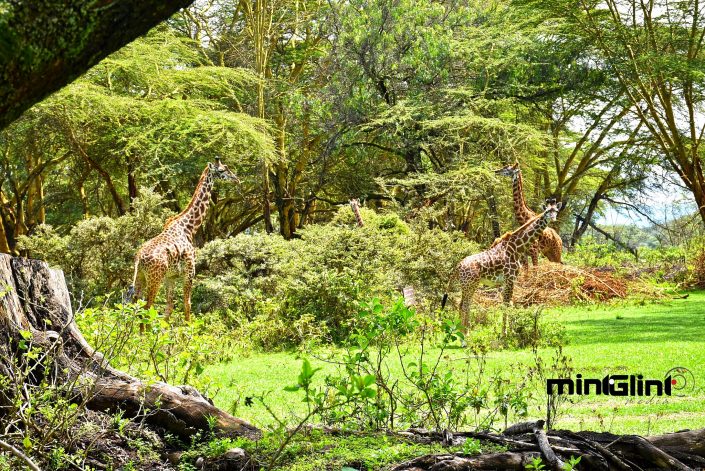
(644,339)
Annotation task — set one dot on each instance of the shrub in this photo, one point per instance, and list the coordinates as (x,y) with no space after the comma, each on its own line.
(167,351)
(322,276)
(697,266)
(97,254)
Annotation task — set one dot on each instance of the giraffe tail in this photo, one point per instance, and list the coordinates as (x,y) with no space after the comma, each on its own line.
(453,276)
(130,294)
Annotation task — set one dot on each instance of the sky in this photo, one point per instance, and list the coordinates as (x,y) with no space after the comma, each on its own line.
(665,204)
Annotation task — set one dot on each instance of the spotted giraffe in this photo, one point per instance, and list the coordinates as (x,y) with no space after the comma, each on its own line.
(159,258)
(355,206)
(549,242)
(501,262)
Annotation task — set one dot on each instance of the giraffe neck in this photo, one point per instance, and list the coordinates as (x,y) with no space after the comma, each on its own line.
(521,210)
(191,218)
(526,234)
(355,205)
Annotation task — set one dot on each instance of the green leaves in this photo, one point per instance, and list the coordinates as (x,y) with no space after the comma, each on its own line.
(305,377)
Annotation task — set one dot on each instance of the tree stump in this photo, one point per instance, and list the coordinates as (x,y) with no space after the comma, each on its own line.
(35,304)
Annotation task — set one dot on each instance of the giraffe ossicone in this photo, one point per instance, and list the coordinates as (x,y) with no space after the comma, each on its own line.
(500,264)
(549,242)
(159,259)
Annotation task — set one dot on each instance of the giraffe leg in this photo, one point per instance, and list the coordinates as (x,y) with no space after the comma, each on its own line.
(189,273)
(507,292)
(154,281)
(535,254)
(169,285)
(468,290)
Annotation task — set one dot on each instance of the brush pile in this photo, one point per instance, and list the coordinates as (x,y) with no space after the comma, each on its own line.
(557,284)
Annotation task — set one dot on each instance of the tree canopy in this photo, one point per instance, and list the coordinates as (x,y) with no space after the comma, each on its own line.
(404,104)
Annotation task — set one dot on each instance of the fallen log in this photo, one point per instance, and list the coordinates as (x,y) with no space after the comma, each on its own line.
(684,450)
(35,307)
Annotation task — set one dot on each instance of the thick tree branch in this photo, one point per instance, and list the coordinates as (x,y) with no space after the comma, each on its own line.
(45,45)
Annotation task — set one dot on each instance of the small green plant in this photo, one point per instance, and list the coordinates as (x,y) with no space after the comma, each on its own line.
(168,351)
(472,446)
(536,464)
(119,423)
(572,463)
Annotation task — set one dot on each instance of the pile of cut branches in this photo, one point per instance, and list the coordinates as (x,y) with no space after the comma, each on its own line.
(528,441)
(557,284)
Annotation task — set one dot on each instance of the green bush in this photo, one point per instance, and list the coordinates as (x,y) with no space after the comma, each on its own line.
(168,350)
(316,282)
(665,264)
(591,253)
(97,254)
(272,292)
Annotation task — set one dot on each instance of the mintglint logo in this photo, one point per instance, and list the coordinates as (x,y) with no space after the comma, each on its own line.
(679,379)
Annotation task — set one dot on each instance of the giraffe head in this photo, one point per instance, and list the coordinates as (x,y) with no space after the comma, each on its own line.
(551,208)
(220,171)
(509,170)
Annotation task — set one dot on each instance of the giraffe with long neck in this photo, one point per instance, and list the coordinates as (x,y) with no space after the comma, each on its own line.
(158,259)
(549,242)
(501,262)
(355,206)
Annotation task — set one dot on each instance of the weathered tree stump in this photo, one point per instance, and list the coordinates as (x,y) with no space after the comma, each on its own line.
(36,300)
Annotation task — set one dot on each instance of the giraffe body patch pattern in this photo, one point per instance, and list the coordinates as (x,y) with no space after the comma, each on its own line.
(171,254)
(500,264)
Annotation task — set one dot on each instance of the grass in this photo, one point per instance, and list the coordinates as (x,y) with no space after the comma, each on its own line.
(631,338)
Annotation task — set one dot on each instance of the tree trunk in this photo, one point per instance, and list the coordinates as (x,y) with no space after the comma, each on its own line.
(131,181)
(35,298)
(4,243)
(582,222)
(494,215)
(45,45)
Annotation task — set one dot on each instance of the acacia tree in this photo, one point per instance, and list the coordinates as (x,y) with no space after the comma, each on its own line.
(148,115)
(283,43)
(654,49)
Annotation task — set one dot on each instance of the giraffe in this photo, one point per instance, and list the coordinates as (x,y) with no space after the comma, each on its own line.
(549,242)
(355,206)
(159,257)
(501,262)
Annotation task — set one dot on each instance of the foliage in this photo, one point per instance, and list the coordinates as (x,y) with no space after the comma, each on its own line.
(46,415)
(168,351)
(424,394)
(97,254)
(531,327)
(281,292)
(697,274)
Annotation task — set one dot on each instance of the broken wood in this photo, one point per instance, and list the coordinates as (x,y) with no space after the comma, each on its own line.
(527,441)
(554,462)
(35,301)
